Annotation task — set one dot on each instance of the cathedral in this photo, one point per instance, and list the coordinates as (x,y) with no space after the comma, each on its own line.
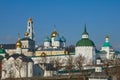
(53,45)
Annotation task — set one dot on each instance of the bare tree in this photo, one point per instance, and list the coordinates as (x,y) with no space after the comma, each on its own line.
(57,62)
(116,70)
(79,61)
(70,64)
(18,66)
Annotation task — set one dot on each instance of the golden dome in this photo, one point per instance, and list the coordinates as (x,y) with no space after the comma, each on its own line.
(107,36)
(54,33)
(18,44)
(30,20)
(26,34)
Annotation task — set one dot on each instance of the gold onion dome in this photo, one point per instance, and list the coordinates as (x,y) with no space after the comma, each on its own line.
(30,20)
(54,33)
(18,44)
(26,34)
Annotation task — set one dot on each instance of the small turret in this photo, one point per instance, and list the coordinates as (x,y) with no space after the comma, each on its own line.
(47,42)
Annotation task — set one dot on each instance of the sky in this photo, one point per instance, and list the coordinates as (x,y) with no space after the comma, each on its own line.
(100,16)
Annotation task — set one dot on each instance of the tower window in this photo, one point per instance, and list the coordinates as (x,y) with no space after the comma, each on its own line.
(29,23)
(29,30)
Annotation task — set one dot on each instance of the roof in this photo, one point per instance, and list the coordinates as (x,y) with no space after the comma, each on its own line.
(54,33)
(85,42)
(63,39)
(117,52)
(57,38)
(107,44)
(47,39)
(26,39)
(101,52)
(8,46)
(2,51)
(22,57)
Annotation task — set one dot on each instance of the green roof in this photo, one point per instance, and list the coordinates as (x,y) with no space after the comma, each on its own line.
(107,44)
(47,39)
(2,51)
(85,42)
(101,52)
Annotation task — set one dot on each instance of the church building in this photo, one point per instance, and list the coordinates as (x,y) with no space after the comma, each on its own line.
(108,49)
(17,65)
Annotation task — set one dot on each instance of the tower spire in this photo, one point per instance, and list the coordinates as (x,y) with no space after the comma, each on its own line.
(85,28)
(18,36)
(54,27)
(85,34)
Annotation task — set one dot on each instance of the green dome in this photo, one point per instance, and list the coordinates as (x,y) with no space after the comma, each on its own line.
(107,44)
(85,42)
(2,51)
(47,39)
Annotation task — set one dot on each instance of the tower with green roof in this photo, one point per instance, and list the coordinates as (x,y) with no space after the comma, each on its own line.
(108,48)
(86,48)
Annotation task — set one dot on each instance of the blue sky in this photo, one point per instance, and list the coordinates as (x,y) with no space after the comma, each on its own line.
(101,17)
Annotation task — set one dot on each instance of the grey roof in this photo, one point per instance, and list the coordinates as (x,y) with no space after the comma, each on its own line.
(26,39)
(22,57)
(8,46)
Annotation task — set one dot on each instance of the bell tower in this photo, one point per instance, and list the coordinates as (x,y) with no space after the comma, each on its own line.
(30,29)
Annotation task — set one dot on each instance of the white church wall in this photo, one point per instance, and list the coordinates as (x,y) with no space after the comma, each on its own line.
(87,52)
(107,49)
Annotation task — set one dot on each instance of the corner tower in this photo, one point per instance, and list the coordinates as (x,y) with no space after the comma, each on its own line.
(86,48)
